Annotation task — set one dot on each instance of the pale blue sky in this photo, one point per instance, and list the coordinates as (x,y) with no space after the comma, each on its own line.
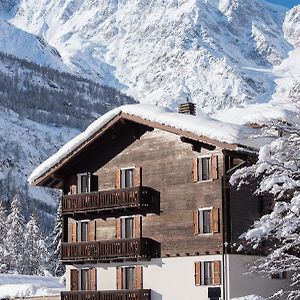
(287,3)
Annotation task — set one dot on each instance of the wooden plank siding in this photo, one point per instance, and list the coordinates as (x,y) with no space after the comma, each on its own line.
(167,166)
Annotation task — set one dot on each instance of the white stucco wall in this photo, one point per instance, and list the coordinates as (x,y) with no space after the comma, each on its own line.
(242,284)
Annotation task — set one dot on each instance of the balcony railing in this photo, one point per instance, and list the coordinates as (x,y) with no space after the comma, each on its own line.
(141,248)
(107,295)
(137,197)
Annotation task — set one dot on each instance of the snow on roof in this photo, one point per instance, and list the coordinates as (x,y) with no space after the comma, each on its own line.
(201,125)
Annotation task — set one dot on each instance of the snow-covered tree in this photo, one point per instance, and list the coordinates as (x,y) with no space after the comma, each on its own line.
(277,171)
(3,230)
(56,265)
(36,255)
(14,240)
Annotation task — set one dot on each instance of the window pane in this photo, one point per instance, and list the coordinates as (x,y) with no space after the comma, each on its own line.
(205,168)
(208,272)
(84,280)
(84,184)
(129,279)
(84,227)
(127,178)
(129,228)
(206,221)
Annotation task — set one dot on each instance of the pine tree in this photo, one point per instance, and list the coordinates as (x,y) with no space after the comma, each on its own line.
(14,240)
(56,265)
(3,230)
(36,255)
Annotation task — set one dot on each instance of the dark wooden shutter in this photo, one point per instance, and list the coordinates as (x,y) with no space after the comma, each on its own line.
(74,232)
(217,272)
(139,277)
(137,176)
(195,170)
(119,278)
(196,222)
(92,230)
(74,279)
(93,183)
(118,179)
(93,279)
(118,228)
(138,226)
(215,220)
(198,273)
(214,166)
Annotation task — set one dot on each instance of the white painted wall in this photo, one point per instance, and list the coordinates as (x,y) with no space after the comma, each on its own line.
(241,284)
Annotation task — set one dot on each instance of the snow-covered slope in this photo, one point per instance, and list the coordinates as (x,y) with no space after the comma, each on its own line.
(220,53)
(27,46)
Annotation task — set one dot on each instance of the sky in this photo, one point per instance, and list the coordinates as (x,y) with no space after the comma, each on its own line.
(287,3)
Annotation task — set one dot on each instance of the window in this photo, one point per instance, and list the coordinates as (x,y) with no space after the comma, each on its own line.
(88,279)
(129,278)
(83,183)
(205,168)
(83,231)
(206,220)
(208,273)
(127,177)
(127,228)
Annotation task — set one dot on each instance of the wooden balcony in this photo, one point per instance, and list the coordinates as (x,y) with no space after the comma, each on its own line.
(112,250)
(140,198)
(107,295)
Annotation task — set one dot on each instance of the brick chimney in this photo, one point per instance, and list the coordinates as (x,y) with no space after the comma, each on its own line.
(187,108)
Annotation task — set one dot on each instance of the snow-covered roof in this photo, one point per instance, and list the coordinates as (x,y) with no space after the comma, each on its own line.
(200,125)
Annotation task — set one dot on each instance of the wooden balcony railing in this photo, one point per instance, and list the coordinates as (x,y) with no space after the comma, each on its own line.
(107,295)
(141,248)
(137,197)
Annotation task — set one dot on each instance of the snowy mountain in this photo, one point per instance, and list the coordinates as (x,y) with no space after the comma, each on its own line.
(220,53)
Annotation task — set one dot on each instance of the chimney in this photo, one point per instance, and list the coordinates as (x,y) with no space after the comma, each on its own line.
(187,108)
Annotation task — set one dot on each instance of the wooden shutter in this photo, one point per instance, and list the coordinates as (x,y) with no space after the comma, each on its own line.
(195,170)
(215,220)
(139,277)
(93,183)
(74,279)
(217,272)
(93,279)
(137,176)
(196,222)
(214,166)
(118,228)
(74,232)
(92,230)
(198,273)
(119,278)
(138,226)
(118,179)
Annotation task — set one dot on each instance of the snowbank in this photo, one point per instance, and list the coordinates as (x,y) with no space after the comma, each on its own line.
(201,125)
(250,297)
(25,285)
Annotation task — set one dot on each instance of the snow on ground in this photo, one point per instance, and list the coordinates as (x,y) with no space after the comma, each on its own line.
(25,285)
(249,297)
(201,125)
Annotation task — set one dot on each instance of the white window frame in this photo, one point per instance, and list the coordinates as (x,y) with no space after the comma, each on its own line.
(199,167)
(202,283)
(122,179)
(78,226)
(200,218)
(79,175)
(80,275)
(121,226)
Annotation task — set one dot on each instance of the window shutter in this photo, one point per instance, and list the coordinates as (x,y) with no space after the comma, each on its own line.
(139,277)
(93,279)
(217,272)
(198,273)
(118,228)
(195,170)
(74,279)
(214,166)
(196,222)
(74,232)
(118,179)
(138,226)
(215,220)
(93,183)
(137,176)
(119,278)
(92,230)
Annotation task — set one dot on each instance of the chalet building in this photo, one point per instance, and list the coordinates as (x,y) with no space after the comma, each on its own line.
(147,209)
